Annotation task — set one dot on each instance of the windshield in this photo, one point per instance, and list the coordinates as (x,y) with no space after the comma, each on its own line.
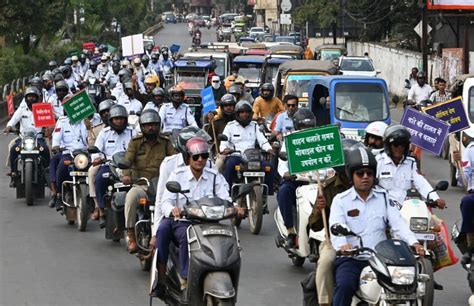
(191,79)
(356,65)
(297,85)
(250,74)
(330,55)
(285,39)
(220,69)
(257,30)
(270,73)
(360,102)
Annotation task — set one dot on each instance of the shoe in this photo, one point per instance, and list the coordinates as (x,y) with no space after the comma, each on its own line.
(102,222)
(291,241)
(95,215)
(466,258)
(12,183)
(132,243)
(52,202)
(58,203)
(438,286)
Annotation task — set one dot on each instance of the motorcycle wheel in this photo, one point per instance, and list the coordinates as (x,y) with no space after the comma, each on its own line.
(256,210)
(427,268)
(82,208)
(297,261)
(29,183)
(213,301)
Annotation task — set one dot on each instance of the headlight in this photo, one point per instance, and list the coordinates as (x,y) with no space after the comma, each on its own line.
(402,275)
(254,165)
(213,212)
(28,144)
(195,211)
(81,161)
(419,224)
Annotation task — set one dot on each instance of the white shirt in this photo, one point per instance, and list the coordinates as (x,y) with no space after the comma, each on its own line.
(418,93)
(467,165)
(57,105)
(397,180)
(243,138)
(175,118)
(359,114)
(111,79)
(151,105)
(69,136)
(200,188)
(131,104)
(368,219)
(284,124)
(25,116)
(110,142)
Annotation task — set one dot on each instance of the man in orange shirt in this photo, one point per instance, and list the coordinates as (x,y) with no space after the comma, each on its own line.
(266,104)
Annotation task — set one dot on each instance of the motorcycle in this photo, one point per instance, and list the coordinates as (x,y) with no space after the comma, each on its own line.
(168,75)
(30,178)
(95,90)
(197,40)
(461,241)
(418,217)
(255,203)
(77,205)
(393,276)
(214,254)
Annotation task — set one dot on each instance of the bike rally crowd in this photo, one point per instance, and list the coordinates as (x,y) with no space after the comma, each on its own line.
(160,173)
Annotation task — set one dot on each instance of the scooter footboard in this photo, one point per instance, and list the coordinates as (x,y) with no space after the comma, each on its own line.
(219,285)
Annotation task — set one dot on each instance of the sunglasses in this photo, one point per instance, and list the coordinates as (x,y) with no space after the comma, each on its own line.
(215,81)
(202,155)
(291,105)
(397,144)
(360,173)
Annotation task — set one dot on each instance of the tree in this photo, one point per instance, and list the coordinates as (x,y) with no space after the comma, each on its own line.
(324,12)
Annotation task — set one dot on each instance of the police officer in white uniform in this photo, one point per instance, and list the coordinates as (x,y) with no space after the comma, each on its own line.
(112,77)
(112,139)
(62,90)
(420,90)
(397,172)
(93,72)
(176,114)
(158,95)
(127,100)
(367,211)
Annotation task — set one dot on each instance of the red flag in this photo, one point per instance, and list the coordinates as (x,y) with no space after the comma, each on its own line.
(11,107)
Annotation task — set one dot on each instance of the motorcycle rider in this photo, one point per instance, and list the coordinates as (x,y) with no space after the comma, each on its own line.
(284,122)
(62,90)
(132,105)
(218,90)
(151,82)
(158,98)
(201,181)
(145,153)
(52,65)
(93,72)
(420,91)
(366,210)
(176,114)
(125,75)
(83,65)
(397,172)
(196,36)
(48,89)
(112,77)
(235,91)
(103,68)
(374,136)
(111,139)
(166,63)
(154,65)
(146,65)
(286,196)
(245,94)
(70,78)
(243,134)
(266,104)
(24,116)
(138,74)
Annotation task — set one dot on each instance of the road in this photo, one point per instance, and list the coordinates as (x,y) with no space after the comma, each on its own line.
(44,261)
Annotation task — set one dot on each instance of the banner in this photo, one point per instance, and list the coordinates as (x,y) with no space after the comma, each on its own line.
(426,131)
(450,4)
(452,112)
(43,115)
(79,107)
(132,45)
(314,149)
(208,103)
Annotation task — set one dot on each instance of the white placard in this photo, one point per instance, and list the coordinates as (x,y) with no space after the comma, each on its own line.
(132,45)
(285,18)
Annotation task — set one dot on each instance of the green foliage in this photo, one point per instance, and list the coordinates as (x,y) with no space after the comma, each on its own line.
(324,12)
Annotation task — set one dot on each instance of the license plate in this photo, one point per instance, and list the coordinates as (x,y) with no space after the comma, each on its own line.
(29,152)
(217,231)
(78,173)
(421,236)
(254,174)
(394,296)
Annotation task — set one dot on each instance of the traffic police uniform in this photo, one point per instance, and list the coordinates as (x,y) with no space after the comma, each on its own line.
(69,137)
(57,105)
(109,142)
(467,202)
(91,74)
(398,179)
(146,159)
(152,105)
(243,138)
(131,104)
(210,184)
(24,116)
(175,118)
(111,79)
(369,220)
(92,172)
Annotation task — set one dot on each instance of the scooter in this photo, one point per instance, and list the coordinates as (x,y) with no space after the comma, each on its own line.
(214,254)
(418,217)
(460,240)
(393,276)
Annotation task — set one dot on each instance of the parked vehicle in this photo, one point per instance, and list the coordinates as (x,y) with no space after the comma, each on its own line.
(329,52)
(357,65)
(296,52)
(286,39)
(271,65)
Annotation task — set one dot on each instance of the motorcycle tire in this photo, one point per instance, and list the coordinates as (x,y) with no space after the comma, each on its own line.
(297,261)
(83,210)
(256,210)
(427,268)
(29,183)
(213,301)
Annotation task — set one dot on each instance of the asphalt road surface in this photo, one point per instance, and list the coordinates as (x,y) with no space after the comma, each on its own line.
(44,261)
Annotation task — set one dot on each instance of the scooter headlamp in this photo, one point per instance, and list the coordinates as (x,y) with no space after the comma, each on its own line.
(419,224)
(81,161)
(402,275)
(213,212)
(28,144)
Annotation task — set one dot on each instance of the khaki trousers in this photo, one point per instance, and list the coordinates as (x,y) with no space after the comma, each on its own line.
(91,173)
(131,203)
(325,273)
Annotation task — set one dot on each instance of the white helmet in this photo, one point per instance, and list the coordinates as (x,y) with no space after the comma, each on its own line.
(469,132)
(376,128)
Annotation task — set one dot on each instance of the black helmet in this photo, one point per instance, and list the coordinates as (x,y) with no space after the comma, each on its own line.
(228,99)
(66,70)
(33,91)
(158,91)
(235,90)
(62,89)
(396,134)
(347,144)
(58,77)
(243,106)
(52,64)
(116,59)
(145,58)
(68,61)
(150,116)
(154,56)
(118,111)
(128,85)
(93,63)
(36,82)
(164,50)
(56,71)
(357,157)
(116,67)
(176,90)
(105,105)
(46,77)
(303,119)
(267,87)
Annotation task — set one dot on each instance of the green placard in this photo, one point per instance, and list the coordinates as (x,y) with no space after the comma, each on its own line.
(79,107)
(314,149)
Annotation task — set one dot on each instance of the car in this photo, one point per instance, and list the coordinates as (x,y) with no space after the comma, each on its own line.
(286,39)
(190,17)
(257,31)
(357,65)
(164,15)
(170,18)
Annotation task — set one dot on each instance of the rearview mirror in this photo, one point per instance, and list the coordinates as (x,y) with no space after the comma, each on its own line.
(222,137)
(93,149)
(341,230)
(173,187)
(283,156)
(442,186)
